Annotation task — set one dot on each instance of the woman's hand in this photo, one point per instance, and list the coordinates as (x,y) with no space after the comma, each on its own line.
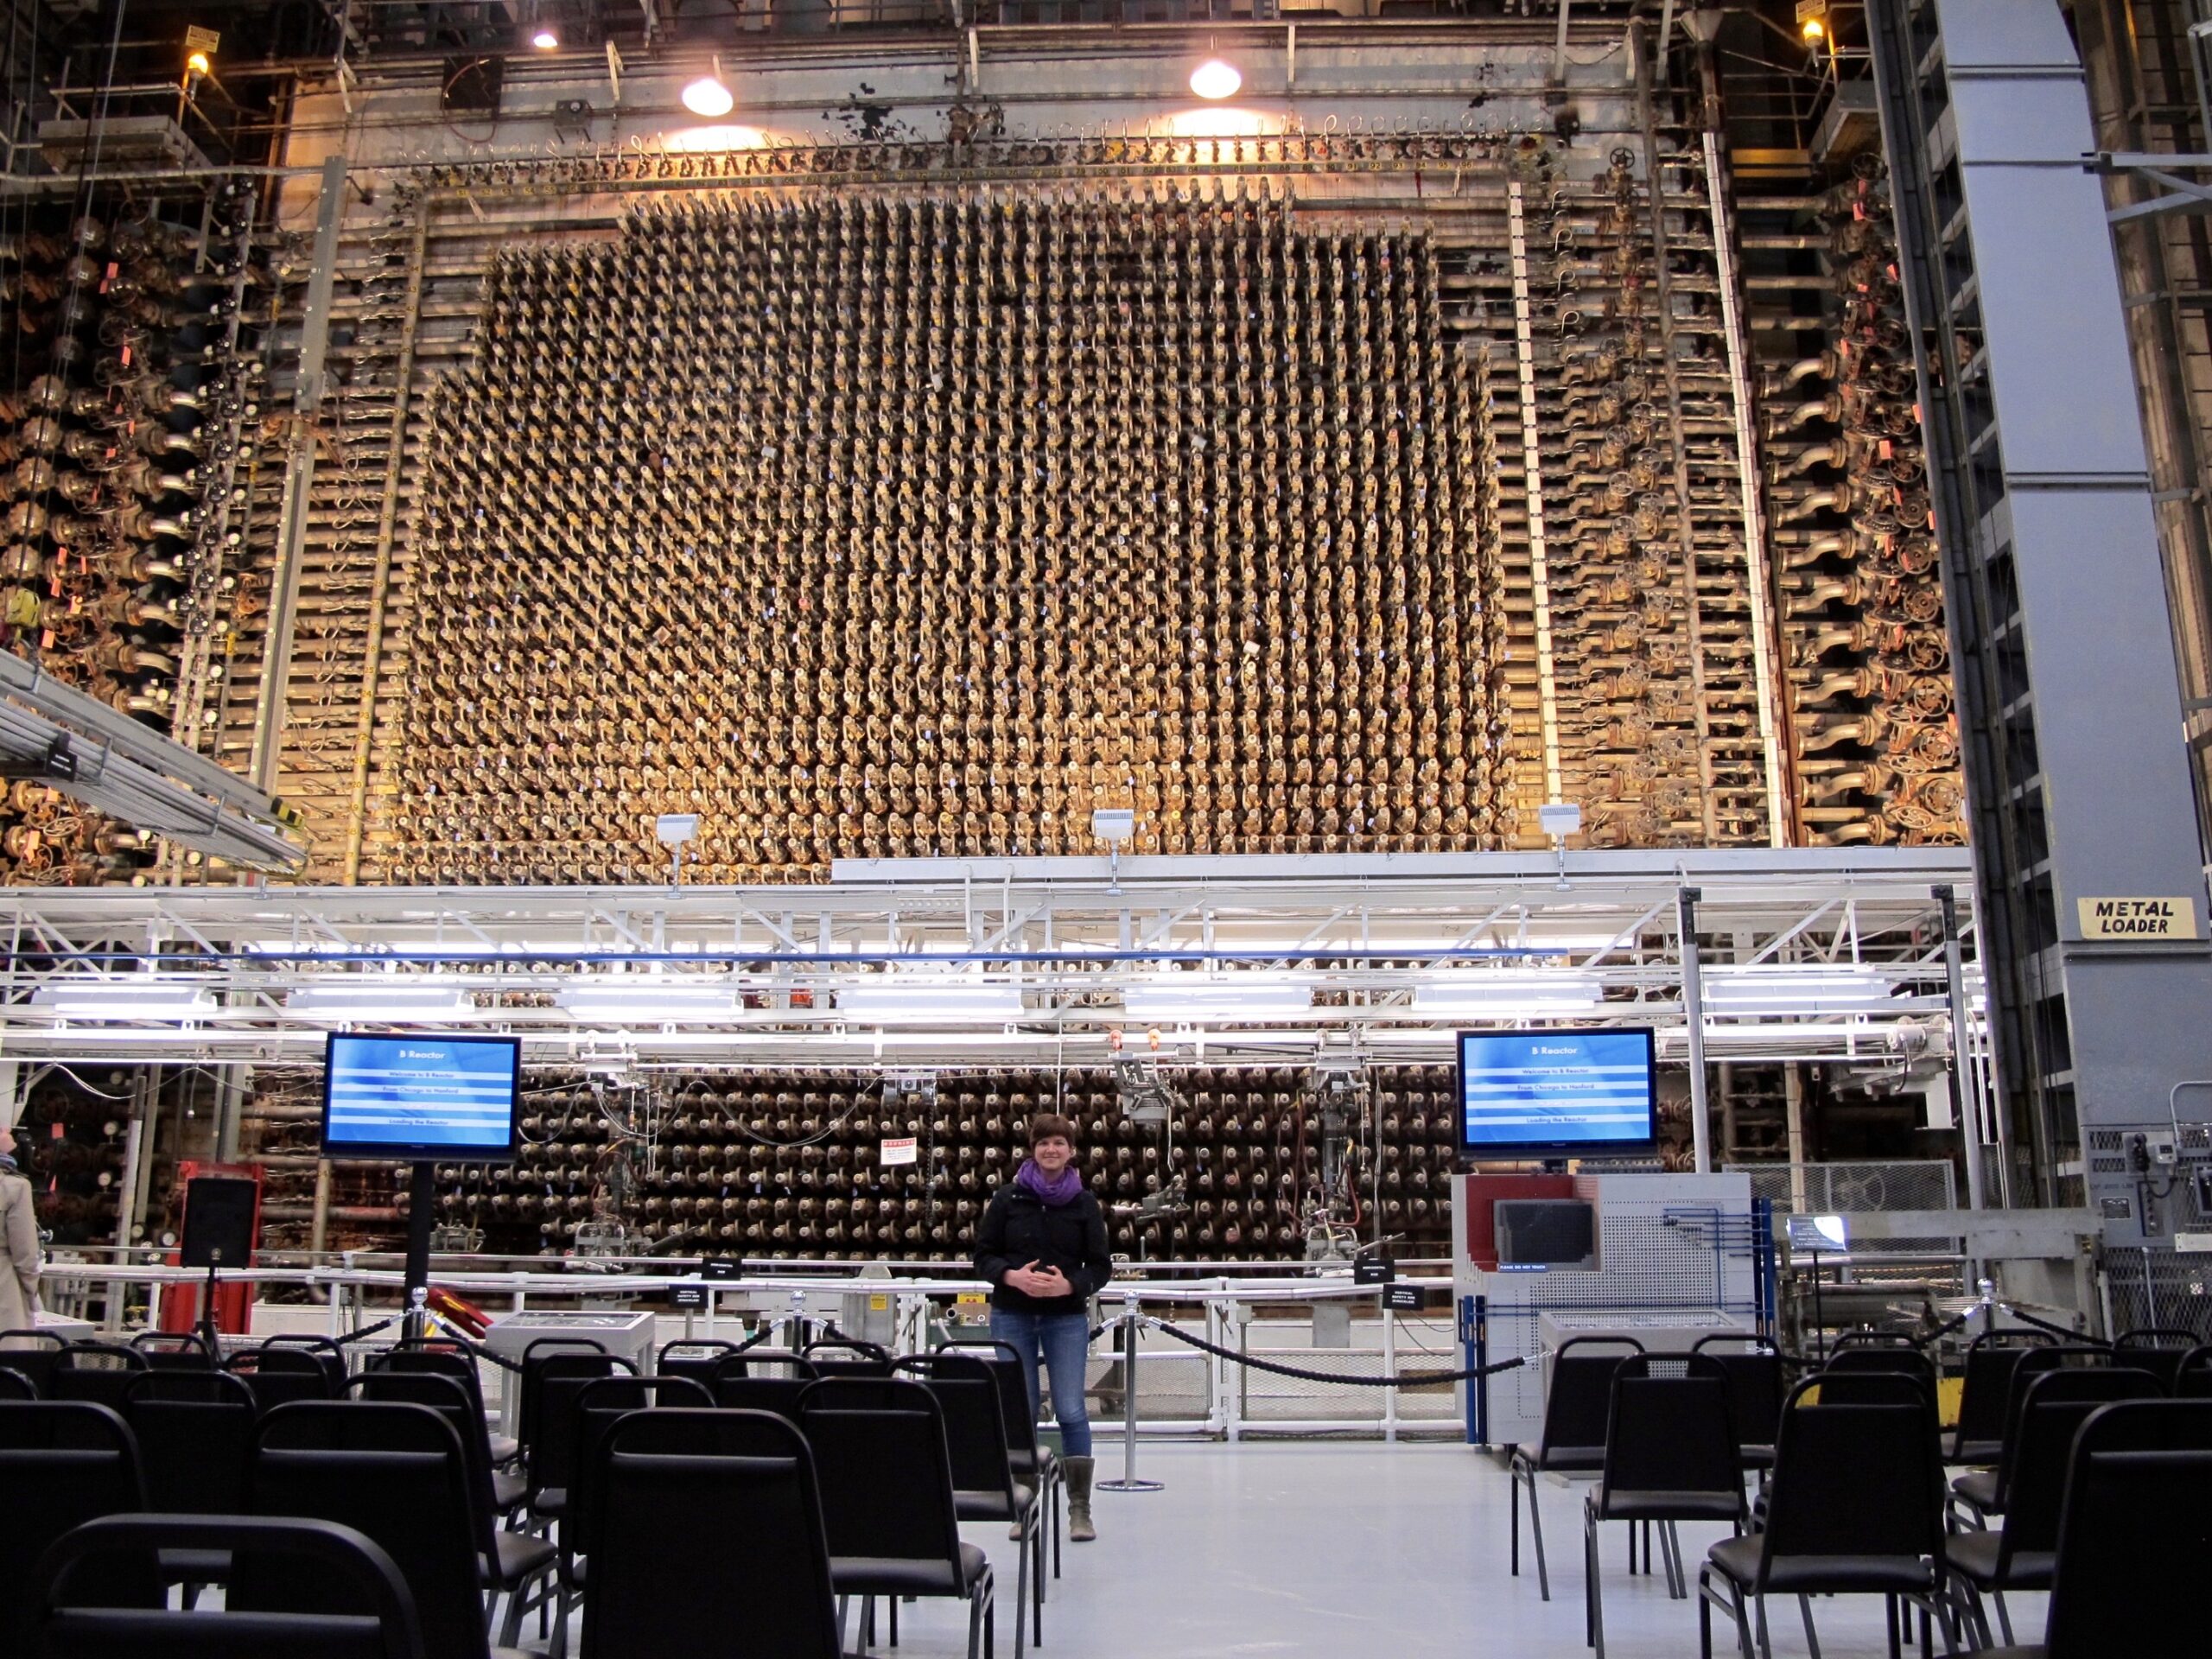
(1043,1283)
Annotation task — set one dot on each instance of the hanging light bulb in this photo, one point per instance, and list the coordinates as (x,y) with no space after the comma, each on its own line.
(708,97)
(1216,78)
(546,40)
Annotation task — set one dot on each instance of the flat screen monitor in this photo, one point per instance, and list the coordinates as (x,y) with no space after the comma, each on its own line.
(1557,1094)
(419,1097)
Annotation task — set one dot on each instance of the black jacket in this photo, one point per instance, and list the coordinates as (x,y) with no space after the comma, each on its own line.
(1019,1229)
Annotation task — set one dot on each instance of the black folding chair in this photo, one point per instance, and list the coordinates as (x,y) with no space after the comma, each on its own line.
(280,1372)
(1855,1508)
(195,1433)
(844,1357)
(535,1356)
(99,1373)
(1672,1454)
(2024,1553)
(1034,1464)
(691,1544)
(600,1404)
(1756,1388)
(887,1501)
(694,1357)
(2157,1350)
(1985,1393)
(762,1380)
(1576,1407)
(173,1350)
(62,1463)
(1977,1496)
(511,1561)
(33,1353)
(983,1484)
(2193,1376)
(445,1359)
(552,1441)
(396,1474)
(2131,1549)
(92,1597)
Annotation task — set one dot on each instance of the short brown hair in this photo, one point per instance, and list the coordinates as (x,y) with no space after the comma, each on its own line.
(1046,1125)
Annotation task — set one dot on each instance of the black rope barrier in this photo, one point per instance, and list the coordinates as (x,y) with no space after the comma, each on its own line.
(1436,1381)
(366,1331)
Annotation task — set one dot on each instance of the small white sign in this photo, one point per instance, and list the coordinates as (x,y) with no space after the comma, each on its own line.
(904,1150)
(2138,919)
(197,39)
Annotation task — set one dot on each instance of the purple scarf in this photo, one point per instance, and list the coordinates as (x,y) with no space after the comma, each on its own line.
(1053,1189)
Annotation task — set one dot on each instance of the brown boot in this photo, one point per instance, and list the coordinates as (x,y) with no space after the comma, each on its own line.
(1079,1471)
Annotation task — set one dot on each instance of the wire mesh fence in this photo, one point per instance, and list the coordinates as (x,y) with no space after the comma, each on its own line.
(1857,1189)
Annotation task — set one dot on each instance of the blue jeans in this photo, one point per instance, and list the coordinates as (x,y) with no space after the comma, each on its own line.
(1063,1341)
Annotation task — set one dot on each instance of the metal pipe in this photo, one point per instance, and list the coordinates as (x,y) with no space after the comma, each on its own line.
(1685,533)
(1533,484)
(387,520)
(1779,792)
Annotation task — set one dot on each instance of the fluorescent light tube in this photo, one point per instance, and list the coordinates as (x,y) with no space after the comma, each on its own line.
(1508,993)
(392,1003)
(1790,988)
(1178,998)
(956,1002)
(647,1002)
(118,999)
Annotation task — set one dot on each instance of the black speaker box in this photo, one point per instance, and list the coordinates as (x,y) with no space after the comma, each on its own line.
(218,1221)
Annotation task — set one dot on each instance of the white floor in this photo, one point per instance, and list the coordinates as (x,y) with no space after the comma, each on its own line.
(1363,1550)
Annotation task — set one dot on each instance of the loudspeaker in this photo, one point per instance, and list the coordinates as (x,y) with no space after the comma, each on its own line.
(218,1221)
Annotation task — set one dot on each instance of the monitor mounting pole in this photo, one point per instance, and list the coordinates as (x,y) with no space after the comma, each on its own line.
(422,1199)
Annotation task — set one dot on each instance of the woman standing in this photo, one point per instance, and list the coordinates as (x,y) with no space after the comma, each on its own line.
(1042,1244)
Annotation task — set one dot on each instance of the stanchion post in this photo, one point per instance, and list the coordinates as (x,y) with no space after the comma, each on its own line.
(1128,1481)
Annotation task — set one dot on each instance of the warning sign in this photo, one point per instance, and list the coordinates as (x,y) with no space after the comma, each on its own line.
(2138,919)
(904,1150)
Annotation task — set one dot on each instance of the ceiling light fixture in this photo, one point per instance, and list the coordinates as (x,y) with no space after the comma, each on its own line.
(1793,987)
(956,1002)
(1181,998)
(379,1004)
(546,40)
(1215,79)
(708,97)
(118,999)
(1505,994)
(647,1002)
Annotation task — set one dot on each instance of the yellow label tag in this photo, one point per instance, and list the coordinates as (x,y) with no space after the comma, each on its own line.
(969,1299)
(879,1304)
(2138,919)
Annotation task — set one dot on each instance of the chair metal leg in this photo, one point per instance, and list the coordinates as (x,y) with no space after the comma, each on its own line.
(2003,1617)
(1513,1486)
(1766,1647)
(1812,1635)
(894,1600)
(1670,1545)
(1593,1612)
(1037,1573)
(1537,1532)
(975,1622)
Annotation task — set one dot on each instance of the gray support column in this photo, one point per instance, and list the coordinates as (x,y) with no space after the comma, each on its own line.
(2070,705)
(1693,1019)
(1964,1107)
